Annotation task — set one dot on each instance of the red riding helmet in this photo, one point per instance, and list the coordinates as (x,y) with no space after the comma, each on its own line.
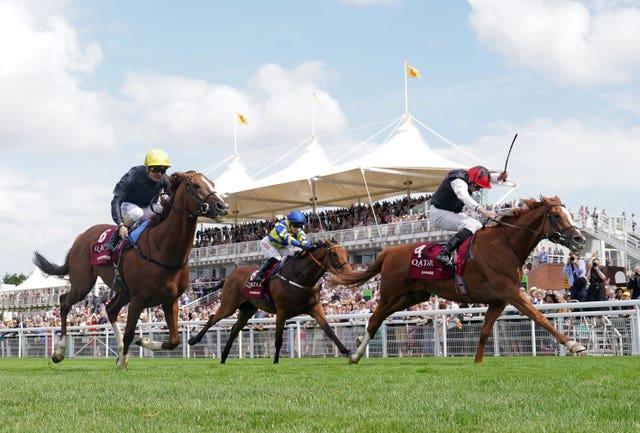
(480,176)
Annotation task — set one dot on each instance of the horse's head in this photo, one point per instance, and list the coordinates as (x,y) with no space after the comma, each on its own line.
(331,255)
(198,197)
(338,257)
(559,225)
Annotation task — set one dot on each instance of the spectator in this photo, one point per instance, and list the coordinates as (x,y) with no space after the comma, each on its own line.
(597,280)
(570,270)
(634,283)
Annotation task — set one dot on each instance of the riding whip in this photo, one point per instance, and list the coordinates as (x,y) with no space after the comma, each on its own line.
(509,154)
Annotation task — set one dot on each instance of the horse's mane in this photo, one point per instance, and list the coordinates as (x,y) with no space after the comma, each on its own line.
(529,204)
(166,200)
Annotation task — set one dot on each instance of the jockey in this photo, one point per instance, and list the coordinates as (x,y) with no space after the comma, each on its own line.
(282,241)
(133,194)
(451,196)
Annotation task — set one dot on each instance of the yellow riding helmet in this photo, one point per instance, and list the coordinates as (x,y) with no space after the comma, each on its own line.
(157,158)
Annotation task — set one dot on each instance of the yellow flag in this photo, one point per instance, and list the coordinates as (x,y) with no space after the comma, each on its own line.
(412,72)
(242,119)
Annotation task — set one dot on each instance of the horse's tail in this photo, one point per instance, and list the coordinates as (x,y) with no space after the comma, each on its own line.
(49,268)
(354,278)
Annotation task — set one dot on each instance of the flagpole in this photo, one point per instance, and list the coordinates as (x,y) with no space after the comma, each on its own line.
(235,134)
(313,117)
(406,93)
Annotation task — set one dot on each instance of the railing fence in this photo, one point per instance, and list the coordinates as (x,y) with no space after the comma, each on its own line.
(604,328)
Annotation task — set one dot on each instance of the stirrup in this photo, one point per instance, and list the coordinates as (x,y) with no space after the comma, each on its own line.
(445,259)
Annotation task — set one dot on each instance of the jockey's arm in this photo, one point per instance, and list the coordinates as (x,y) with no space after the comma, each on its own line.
(461,189)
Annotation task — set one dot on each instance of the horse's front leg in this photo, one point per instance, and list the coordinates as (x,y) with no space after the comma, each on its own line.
(317,312)
(171,317)
(129,332)
(280,319)
(523,305)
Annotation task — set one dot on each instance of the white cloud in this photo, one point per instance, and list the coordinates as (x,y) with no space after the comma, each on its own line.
(570,41)
(568,158)
(42,103)
(276,103)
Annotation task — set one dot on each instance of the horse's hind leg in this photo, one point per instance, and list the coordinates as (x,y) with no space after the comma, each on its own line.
(113,309)
(225,309)
(317,312)
(246,312)
(67,300)
(383,310)
(490,318)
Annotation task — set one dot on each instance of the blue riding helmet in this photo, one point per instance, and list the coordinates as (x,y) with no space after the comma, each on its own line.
(297,218)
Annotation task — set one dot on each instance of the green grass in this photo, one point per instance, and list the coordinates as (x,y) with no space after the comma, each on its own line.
(509,394)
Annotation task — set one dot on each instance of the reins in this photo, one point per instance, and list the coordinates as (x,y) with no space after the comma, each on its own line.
(203,208)
(556,236)
(322,266)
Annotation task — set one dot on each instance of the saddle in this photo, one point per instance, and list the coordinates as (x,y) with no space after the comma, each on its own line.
(424,266)
(260,289)
(100,254)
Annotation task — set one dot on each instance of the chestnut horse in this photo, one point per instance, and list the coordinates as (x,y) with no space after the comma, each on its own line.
(492,272)
(292,292)
(154,273)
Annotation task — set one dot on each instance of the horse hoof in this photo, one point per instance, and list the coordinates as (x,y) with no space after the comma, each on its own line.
(353,360)
(143,341)
(55,359)
(578,348)
(192,341)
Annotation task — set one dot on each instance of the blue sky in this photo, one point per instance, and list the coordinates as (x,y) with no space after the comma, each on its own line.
(89,86)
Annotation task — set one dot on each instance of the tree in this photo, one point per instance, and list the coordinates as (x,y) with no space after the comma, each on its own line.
(14,279)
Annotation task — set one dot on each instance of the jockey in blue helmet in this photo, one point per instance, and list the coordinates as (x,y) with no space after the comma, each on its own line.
(283,240)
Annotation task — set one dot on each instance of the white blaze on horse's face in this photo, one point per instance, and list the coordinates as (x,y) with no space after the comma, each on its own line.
(568,215)
(208,183)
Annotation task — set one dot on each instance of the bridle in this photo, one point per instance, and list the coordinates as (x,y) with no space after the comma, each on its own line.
(202,210)
(557,235)
(324,266)
(202,207)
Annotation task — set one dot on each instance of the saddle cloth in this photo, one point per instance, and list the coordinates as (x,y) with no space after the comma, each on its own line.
(260,289)
(100,254)
(424,266)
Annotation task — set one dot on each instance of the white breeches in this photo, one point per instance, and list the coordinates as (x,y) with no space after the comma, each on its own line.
(132,213)
(448,220)
(269,250)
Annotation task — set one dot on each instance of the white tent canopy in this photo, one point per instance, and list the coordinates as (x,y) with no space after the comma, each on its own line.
(38,280)
(235,177)
(404,163)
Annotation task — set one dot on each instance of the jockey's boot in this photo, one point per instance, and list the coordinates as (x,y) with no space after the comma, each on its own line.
(446,255)
(265,266)
(113,241)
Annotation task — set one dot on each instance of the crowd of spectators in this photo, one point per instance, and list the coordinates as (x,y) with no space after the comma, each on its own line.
(335,300)
(358,215)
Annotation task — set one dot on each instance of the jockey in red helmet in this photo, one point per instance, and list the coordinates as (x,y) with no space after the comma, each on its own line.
(452,195)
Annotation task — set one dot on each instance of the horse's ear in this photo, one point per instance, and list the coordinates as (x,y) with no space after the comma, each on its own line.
(174,180)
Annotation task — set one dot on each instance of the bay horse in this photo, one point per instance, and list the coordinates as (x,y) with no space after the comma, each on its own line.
(292,292)
(492,271)
(154,272)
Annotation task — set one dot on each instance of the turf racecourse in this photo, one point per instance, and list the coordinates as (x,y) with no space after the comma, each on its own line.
(509,394)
